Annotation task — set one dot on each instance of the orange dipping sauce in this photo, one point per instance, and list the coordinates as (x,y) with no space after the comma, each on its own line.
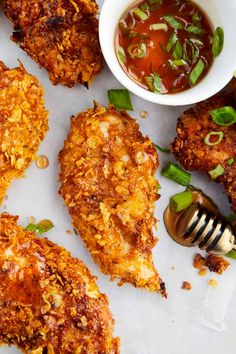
(165,46)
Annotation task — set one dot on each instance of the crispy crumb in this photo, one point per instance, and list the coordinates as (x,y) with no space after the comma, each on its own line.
(202,272)
(186,285)
(198,261)
(217,264)
(69,232)
(213,283)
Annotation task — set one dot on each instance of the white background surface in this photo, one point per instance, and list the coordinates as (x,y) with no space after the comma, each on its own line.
(194,322)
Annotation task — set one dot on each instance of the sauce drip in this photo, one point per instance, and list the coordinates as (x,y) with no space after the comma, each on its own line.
(172,219)
(161,49)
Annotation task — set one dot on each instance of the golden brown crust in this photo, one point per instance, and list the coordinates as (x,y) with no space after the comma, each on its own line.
(49,301)
(191,151)
(107,182)
(24,123)
(217,264)
(60,35)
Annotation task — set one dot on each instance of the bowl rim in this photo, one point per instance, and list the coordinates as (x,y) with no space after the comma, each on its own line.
(178,99)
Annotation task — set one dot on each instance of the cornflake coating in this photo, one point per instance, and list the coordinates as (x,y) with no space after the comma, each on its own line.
(193,154)
(49,301)
(108,184)
(23,123)
(60,35)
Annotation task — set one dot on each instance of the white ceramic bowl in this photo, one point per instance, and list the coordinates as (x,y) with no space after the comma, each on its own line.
(221,13)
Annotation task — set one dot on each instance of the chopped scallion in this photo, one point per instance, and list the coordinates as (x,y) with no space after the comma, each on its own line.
(41,227)
(196,17)
(176,63)
(121,54)
(209,136)
(197,72)
(158,86)
(195,30)
(151,2)
(137,50)
(158,147)
(225,116)
(181,201)
(172,40)
(218,42)
(120,99)
(231,254)
(144,6)
(231,161)
(178,51)
(141,15)
(173,22)
(176,174)
(217,172)
(158,27)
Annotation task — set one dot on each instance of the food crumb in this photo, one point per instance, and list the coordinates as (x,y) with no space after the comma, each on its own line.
(186,285)
(69,232)
(213,283)
(173,268)
(217,264)
(42,162)
(198,261)
(202,272)
(143,114)
(32,220)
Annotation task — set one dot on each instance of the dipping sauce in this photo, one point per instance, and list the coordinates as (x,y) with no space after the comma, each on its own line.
(165,46)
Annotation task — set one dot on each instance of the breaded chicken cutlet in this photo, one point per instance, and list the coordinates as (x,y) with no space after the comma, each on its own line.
(193,153)
(23,123)
(60,35)
(108,184)
(49,301)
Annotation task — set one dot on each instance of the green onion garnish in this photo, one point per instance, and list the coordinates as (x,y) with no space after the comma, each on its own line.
(208,137)
(138,50)
(195,30)
(178,51)
(231,254)
(218,42)
(225,116)
(172,40)
(196,17)
(218,171)
(151,2)
(173,22)
(41,227)
(121,54)
(158,27)
(181,201)
(141,15)
(197,72)
(158,86)
(231,161)
(144,6)
(176,174)
(120,99)
(158,147)
(176,63)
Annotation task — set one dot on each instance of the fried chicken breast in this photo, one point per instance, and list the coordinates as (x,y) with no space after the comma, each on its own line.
(193,154)
(60,35)
(108,184)
(49,301)
(23,122)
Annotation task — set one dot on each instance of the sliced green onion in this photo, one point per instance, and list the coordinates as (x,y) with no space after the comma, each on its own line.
(231,161)
(137,51)
(158,86)
(218,42)
(121,54)
(158,27)
(176,174)
(208,137)
(172,40)
(217,172)
(225,116)
(151,2)
(197,72)
(178,51)
(195,30)
(158,186)
(149,81)
(181,201)
(176,63)
(120,99)
(231,254)
(41,227)
(196,17)
(144,6)
(158,147)
(173,22)
(141,15)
